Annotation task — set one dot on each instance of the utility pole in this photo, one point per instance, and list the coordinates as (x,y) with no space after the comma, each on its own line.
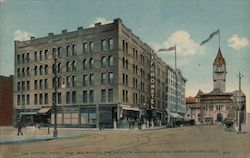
(56,95)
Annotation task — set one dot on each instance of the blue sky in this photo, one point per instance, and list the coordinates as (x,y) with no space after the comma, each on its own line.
(160,23)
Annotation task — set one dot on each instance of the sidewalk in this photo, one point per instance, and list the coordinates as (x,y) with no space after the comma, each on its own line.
(8,135)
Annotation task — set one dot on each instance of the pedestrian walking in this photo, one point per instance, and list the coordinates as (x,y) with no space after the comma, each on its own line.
(19,127)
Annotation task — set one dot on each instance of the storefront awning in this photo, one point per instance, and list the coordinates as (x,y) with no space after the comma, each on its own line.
(175,115)
(28,113)
(44,110)
(131,108)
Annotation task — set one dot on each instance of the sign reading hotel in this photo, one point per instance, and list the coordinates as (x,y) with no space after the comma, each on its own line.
(152,82)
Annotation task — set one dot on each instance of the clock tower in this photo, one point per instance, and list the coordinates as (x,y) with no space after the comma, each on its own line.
(219,72)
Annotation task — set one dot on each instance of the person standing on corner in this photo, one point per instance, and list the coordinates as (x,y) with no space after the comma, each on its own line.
(19,126)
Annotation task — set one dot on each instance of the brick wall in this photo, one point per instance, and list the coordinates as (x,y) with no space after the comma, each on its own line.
(6,100)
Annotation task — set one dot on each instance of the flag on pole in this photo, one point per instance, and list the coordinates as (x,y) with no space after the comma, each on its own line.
(210,37)
(168,49)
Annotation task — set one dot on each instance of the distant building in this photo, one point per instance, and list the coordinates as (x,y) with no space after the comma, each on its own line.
(176,105)
(6,100)
(208,108)
(106,75)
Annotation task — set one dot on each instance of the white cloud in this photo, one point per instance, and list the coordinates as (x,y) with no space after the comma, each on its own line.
(237,42)
(184,44)
(101,20)
(1,1)
(22,35)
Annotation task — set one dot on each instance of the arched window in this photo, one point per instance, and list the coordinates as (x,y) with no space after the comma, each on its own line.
(126,63)
(46,69)
(133,68)
(28,57)
(18,59)
(68,66)
(91,63)
(74,65)
(104,61)
(18,73)
(23,72)
(111,61)
(41,70)
(23,58)
(123,62)
(59,67)
(85,64)
(35,72)
(28,71)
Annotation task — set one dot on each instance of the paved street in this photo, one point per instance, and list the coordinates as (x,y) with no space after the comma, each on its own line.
(193,142)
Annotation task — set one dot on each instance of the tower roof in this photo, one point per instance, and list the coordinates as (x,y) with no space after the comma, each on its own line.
(219,60)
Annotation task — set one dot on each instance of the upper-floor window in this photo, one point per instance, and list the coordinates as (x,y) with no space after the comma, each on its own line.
(91,96)
(23,58)
(35,56)
(91,48)
(110,95)
(85,48)
(59,52)
(46,54)
(35,84)
(111,43)
(18,72)
(18,59)
(73,49)
(41,70)
(74,66)
(28,85)
(67,97)
(111,78)
(111,61)
(85,64)
(103,95)
(73,81)
(104,45)
(41,55)
(59,67)
(68,66)
(91,63)
(84,96)
(28,71)
(46,84)
(23,72)
(46,98)
(35,99)
(68,82)
(85,80)
(91,79)
(103,78)
(74,97)
(104,61)
(28,57)
(69,53)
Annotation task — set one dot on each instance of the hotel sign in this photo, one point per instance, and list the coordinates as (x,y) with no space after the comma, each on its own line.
(152,82)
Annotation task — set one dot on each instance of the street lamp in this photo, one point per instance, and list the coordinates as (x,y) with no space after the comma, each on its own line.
(240,103)
(56,94)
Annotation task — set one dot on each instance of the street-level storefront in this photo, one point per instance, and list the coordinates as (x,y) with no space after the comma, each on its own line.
(30,117)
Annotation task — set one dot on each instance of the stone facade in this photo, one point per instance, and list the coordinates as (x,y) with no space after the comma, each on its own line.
(103,77)
(217,105)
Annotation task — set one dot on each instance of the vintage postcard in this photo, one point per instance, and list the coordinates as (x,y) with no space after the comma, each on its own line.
(136,78)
